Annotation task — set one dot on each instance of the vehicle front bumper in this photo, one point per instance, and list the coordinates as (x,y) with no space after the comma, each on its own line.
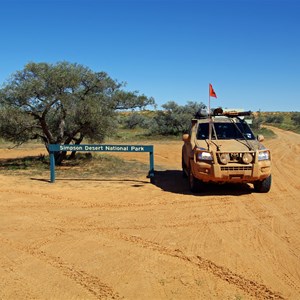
(233,172)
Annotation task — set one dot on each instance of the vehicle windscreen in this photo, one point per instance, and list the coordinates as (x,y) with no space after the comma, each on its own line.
(225,131)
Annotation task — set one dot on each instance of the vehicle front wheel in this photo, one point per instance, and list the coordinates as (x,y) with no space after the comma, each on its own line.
(196,185)
(263,186)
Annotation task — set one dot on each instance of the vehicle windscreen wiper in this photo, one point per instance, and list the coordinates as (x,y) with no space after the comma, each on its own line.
(243,134)
(215,133)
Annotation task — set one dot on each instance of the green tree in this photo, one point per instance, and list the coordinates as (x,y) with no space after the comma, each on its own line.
(274,118)
(175,119)
(62,103)
(133,120)
(296,118)
(257,121)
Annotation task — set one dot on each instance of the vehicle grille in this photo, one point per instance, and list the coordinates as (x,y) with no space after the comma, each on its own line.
(234,157)
(236,168)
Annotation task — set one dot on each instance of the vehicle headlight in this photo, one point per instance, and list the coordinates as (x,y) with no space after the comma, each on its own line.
(247,158)
(263,155)
(204,156)
(224,158)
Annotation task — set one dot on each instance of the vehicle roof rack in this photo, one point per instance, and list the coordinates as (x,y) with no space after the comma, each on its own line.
(203,113)
(234,113)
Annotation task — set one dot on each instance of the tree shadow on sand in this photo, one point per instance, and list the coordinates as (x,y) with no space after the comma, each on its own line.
(20,163)
(173,181)
(134,182)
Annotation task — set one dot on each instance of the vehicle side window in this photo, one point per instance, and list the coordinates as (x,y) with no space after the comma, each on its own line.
(203,132)
(248,133)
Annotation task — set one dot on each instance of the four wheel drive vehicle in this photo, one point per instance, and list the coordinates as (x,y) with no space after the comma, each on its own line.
(221,148)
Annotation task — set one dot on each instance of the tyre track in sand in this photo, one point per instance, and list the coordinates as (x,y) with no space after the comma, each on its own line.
(285,151)
(10,268)
(264,235)
(252,288)
(89,282)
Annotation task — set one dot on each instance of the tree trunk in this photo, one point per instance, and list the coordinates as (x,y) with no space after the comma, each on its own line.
(59,157)
(77,142)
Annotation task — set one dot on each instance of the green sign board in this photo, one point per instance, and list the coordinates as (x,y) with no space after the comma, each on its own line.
(101,148)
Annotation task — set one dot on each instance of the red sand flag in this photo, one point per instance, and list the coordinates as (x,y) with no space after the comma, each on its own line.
(211,91)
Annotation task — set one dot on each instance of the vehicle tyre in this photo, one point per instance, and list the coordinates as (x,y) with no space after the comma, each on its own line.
(263,186)
(196,185)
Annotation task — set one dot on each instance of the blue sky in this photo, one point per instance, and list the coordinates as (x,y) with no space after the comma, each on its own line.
(168,49)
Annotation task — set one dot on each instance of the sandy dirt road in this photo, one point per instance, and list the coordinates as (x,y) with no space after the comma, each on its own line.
(115,238)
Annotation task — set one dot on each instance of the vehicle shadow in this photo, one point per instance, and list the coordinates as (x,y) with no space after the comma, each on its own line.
(173,181)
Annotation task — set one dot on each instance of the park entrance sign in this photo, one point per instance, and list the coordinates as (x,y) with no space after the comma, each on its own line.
(101,148)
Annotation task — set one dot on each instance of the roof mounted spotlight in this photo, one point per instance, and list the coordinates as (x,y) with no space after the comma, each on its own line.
(217,111)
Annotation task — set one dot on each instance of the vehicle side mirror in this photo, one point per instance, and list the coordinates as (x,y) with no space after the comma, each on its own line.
(186,137)
(260,137)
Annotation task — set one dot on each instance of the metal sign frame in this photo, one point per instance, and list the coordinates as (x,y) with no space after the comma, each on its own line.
(101,148)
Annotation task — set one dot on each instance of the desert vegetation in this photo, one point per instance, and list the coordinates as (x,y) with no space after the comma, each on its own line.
(66,103)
